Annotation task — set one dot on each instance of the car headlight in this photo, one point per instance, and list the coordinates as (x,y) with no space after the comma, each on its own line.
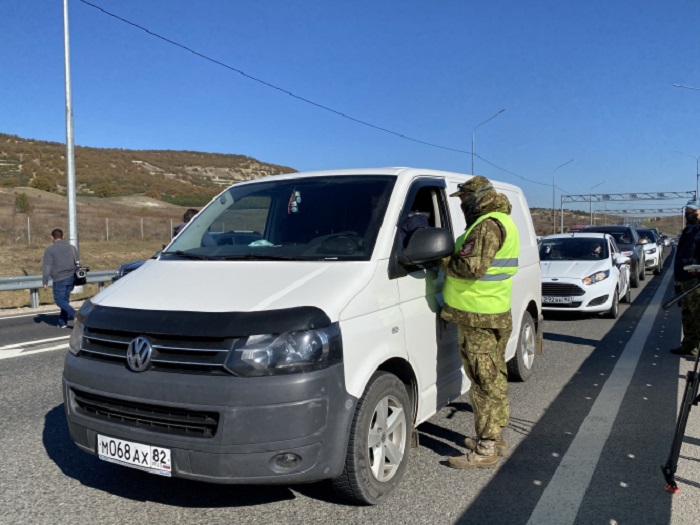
(76,336)
(652,250)
(628,253)
(596,277)
(285,353)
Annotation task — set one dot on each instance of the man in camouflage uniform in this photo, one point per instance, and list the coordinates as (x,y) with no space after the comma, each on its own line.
(480,260)
(688,252)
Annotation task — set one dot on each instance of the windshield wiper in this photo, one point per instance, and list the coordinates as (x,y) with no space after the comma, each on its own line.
(186,255)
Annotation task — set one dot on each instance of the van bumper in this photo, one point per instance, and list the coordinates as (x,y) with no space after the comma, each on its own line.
(257,419)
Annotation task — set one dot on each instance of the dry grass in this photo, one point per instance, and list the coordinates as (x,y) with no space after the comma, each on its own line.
(137,227)
(26,260)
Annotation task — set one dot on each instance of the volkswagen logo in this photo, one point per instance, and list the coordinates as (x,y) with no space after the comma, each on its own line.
(138,354)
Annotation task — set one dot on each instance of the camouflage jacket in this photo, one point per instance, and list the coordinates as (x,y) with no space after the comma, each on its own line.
(474,259)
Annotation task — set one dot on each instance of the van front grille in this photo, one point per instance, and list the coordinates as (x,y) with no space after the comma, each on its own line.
(156,418)
(193,355)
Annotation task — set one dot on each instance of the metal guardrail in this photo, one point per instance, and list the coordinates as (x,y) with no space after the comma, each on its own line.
(34,283)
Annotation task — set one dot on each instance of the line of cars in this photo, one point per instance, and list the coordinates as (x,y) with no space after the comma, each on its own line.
(593,269)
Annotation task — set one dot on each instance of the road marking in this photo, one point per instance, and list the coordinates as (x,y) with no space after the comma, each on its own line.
(34,343)
(23,351)
(561,500)
(2,318)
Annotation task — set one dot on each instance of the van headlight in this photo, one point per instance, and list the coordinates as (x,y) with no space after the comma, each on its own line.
(285,353)
(76,336)
(596,277)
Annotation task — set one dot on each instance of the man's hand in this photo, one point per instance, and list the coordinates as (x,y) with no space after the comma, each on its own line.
(46,287)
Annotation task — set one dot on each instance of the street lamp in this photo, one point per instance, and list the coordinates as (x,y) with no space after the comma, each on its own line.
(554,212)
(697,170)
(590,200)
(474,129)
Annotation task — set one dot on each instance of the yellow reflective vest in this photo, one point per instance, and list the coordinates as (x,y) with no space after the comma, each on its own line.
(491,293)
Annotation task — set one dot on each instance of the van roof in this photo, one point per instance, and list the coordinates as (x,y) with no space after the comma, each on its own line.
(399,172)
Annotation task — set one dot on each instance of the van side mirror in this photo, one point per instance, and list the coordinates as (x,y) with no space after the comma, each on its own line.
(427,245)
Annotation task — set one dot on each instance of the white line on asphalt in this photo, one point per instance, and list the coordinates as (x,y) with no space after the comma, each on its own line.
(561,500)
(34,343)
(2,318)
(21,351)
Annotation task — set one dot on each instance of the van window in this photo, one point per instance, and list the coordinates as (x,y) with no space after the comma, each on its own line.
(424,208)
(313,218)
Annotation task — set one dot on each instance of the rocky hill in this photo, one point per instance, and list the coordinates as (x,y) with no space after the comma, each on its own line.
(180,177)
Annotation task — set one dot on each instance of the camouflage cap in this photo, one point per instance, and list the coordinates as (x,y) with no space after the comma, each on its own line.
(476,184)
(693,205)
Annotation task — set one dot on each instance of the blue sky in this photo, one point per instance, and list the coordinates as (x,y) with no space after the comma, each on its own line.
(585,80)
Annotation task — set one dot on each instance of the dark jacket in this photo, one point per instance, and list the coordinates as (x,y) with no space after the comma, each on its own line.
(59,262)
(688,252)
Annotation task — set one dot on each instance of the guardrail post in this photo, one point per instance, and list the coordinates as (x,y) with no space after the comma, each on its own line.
(34,297)
(100,286)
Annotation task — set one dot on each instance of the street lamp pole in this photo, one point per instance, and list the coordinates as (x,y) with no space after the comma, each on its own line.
(697,170)
(474,129)
(590,200)
(554,210)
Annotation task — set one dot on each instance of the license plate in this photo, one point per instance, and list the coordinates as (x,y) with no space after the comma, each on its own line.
(144,457)
(557,300)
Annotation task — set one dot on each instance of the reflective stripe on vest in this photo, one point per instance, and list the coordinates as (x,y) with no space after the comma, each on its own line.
(491,293)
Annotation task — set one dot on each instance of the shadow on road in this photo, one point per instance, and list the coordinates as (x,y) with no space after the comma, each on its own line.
(623,490)
(49,319)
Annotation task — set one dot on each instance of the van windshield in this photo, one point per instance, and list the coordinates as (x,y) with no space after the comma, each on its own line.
(313,218)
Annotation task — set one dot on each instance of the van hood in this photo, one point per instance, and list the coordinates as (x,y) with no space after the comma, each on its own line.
(239,286)
(571,269)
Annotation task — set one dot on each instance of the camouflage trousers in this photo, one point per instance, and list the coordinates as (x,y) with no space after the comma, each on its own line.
(483,353)
(690,315)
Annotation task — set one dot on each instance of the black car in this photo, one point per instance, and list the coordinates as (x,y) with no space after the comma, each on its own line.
(630,245)
(127,268)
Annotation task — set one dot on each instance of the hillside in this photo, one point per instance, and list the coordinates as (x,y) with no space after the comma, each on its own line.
(181,177)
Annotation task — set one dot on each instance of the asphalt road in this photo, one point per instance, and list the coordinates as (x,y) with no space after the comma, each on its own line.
(588,434)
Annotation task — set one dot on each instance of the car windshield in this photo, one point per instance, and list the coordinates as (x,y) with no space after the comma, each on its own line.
(313,218)
(573,249)
(620,236)
(649,235)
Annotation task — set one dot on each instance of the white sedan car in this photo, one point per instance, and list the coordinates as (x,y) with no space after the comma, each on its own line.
(583,272)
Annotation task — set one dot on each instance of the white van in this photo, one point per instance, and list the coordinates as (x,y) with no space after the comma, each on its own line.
(286,335)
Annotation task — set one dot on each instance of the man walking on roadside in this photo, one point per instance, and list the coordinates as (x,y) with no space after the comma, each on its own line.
(687,253)
(59,265)
(477,292)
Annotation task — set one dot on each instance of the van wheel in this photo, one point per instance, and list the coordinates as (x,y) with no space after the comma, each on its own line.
(614,311)
(379,442)
(628,296)
(520,365)
(643,273)
(657,270)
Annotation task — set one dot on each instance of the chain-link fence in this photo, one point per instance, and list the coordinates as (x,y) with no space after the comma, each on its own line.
(36,228)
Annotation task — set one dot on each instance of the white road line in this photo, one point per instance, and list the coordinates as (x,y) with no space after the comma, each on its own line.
(34,343)
(2,318)
(21,351)
(561,500)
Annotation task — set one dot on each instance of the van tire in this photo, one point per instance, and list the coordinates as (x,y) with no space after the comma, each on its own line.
(520,365)
(384,400)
